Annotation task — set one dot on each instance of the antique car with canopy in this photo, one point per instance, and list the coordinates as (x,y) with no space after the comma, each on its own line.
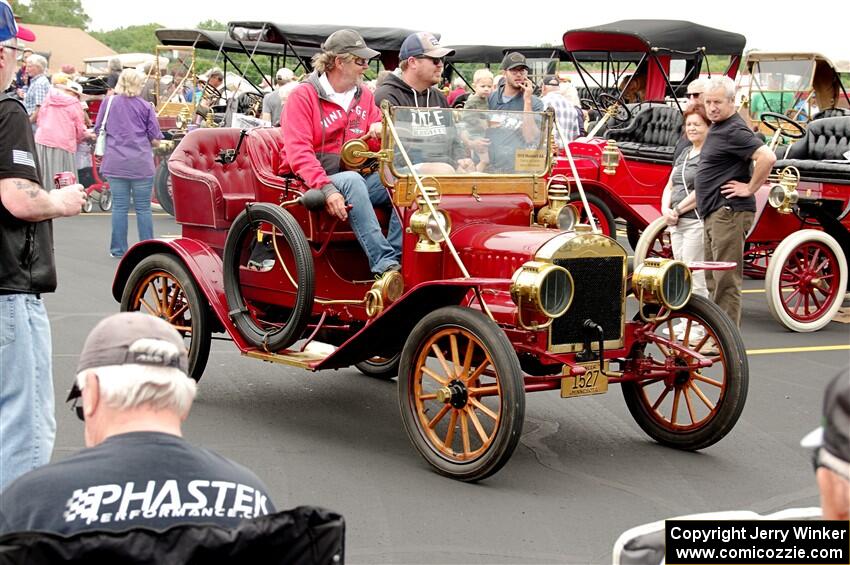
(801,86)
(490,302)
(635,72)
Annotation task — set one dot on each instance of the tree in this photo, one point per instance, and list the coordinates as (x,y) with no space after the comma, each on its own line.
(65,13)
(214,25)
(131,39)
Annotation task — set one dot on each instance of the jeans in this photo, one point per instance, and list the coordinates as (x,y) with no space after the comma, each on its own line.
(362,194)
(686,238)
(725,232)
(121,189)
(27,422)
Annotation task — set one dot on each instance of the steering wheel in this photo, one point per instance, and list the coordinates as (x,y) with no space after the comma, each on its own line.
(587,104)
(622,113)
(784,125)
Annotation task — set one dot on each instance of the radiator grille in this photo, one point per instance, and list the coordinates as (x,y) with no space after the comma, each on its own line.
(598,296)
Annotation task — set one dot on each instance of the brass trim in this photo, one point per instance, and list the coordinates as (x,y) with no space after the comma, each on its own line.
(300,359)
(649,278)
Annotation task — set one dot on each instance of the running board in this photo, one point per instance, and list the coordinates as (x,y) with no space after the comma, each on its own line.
(301,359)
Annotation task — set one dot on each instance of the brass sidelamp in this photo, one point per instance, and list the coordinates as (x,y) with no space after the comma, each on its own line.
(558,212)
(783,190)
(426,224)
(610,158)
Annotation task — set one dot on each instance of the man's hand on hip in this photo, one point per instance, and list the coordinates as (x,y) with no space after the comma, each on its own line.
(735,188)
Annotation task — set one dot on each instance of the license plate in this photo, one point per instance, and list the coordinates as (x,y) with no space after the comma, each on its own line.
(592,382)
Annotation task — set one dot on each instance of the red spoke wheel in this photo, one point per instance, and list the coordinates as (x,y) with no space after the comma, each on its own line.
(680,404)
(756,260)
(601,213)
(806,280)
(654,242)
(461,393)
(161,286)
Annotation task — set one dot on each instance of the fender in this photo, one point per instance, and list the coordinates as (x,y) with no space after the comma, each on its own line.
(391,328)
(202,262)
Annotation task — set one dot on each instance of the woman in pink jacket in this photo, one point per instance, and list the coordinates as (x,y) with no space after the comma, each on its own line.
(61,126)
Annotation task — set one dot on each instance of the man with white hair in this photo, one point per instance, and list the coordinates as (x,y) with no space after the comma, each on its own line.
(273,101)
(39,85)
(133,393)
(725,186)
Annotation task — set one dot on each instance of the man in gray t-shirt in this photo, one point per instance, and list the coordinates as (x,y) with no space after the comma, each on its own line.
(138,470)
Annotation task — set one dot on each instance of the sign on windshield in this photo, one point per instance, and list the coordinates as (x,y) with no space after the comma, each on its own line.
(445,141)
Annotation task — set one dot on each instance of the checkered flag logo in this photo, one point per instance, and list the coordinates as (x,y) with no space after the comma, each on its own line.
(82,504)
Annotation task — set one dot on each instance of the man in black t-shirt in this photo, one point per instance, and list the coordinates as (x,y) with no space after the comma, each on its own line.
(27,270)
(138,470)
(724,189)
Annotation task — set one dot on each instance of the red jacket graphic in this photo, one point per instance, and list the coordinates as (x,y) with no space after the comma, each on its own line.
(314,129)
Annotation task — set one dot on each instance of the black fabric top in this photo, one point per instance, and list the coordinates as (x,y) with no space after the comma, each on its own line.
(725,156)
(218,41)
(378,38)
(135,479)
(27,264)
(663,35)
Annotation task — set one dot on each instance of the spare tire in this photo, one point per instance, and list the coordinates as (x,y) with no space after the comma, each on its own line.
(271,327)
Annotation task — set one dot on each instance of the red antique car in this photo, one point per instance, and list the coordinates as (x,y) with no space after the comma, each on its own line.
(635,73)
(489,304)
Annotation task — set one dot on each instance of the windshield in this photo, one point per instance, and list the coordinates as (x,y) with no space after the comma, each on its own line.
(444,141)
(777,76)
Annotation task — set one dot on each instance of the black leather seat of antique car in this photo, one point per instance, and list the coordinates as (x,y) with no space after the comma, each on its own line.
(651,135)
(831,113)
(819,155)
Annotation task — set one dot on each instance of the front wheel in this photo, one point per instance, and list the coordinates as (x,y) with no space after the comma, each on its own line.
(105,201)
(384,368)
(161,286)
(461,393)
(679,404)
(806,280)
(654,242)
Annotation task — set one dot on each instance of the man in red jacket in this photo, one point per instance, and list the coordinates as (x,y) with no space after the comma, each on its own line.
(328,109)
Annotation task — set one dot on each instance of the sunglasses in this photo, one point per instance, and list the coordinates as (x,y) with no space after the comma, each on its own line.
(77,408)
(360,62)
(435,60)
(694,94)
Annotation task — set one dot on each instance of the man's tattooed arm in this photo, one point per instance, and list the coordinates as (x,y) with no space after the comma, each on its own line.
(32,189)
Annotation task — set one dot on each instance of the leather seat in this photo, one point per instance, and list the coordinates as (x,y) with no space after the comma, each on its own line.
(831,113)
(652,133)
(820,154)
(208,192)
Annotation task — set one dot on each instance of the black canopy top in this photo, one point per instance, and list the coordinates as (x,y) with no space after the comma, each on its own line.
(661,35)
(300,35)
(215,41)
(494,53)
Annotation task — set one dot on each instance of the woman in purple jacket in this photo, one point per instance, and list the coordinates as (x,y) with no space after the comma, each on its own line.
(131,131)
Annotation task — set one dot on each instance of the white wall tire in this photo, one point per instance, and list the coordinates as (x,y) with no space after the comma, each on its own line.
(806,280)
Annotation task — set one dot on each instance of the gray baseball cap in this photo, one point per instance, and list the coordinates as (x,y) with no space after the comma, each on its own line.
(131,338)
(346,41)
(513,60)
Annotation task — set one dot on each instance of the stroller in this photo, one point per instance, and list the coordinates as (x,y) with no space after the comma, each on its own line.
(88,173)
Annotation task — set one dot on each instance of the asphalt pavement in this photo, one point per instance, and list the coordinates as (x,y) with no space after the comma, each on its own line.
(583,472)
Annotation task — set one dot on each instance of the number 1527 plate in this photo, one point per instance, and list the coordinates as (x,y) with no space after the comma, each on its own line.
(592,382)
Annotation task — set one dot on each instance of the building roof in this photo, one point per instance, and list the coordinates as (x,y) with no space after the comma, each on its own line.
(66,45)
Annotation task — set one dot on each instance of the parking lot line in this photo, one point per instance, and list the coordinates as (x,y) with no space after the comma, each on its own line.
(798,349)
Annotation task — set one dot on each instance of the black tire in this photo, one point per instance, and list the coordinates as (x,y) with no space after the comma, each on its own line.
(633,235)
(502,426)
(184,308)
(599,208)
(105,200)
(163,187)
(730,366)
(384,368)
(288,329)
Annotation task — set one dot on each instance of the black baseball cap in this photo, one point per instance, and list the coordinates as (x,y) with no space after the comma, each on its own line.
(834,433)
(348,41)
(551,80)
(131,338)
(513,60)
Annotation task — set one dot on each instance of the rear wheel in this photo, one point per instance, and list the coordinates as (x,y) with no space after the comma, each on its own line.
(806,280)
(161,286)
(653,242)
(682,405)
(164,191)
(601,213)
(461,393)
(384,368)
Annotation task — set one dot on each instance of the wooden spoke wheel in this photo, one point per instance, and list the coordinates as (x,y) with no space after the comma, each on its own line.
(384,368)
(756,259)
(679,403)
(806,280)
(654,242)
(461,393)
(601,213)
(161,286)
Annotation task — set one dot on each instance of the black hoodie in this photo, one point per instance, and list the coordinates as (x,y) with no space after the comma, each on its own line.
(430,146)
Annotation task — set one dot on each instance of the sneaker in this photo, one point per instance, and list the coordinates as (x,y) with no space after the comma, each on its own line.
(678,329)
(263,266)
(394,267)
(710,348)
(116,255)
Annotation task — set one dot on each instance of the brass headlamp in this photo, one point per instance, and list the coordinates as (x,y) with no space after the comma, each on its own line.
(558,213)
(665,282)
(546,287)
(427,225)
(610,158)
(783,194)
(386,290)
